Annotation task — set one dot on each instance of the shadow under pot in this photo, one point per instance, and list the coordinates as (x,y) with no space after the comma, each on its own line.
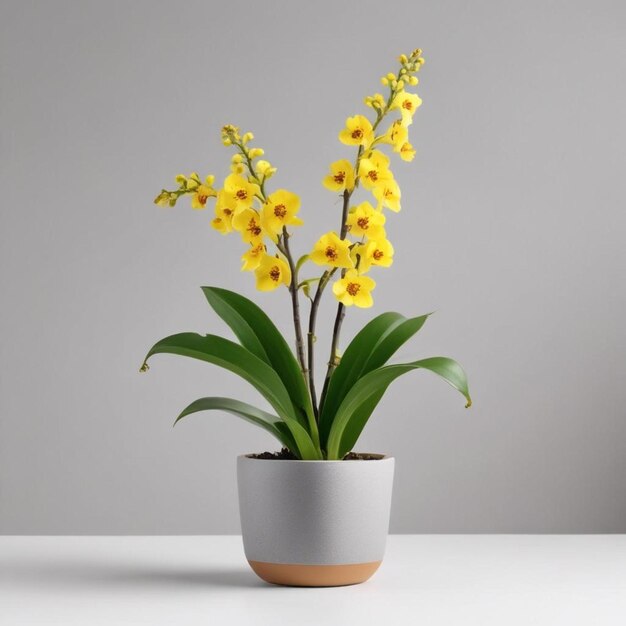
(315,523)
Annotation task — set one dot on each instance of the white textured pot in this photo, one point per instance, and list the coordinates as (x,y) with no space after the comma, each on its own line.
(314,523)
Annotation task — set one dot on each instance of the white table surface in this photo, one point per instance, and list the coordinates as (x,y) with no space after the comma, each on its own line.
(425,579)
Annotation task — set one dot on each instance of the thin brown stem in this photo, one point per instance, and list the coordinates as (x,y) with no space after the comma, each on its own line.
(315,302)
(341,309)
(295,301)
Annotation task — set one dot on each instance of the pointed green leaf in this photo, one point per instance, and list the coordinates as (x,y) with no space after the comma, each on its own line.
(233,313)
(268,422)
(349,369)
(388,344)
(256,331)
(233,357)
(362,399)
(239,360)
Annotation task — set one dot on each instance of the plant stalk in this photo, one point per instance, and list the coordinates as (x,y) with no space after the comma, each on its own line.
(295,303)
(326,276)
(341,309)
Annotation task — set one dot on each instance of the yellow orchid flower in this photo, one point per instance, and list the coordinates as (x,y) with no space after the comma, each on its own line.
(271,273)
(331,250)
(407,152)
(341,176)
(396,135)
(280,210)
(221,225)
(355,289)
(388,195)
(370,253)
(225,206)
(408,103)
(252,259)
(248,224)
(241,189)
(365,221)
(200,196)
(374,170)
(358,132)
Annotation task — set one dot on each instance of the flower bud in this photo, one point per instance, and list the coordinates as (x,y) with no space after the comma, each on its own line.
(247,137)
(163,199)
(256,152)
(193,181)
(390,76)
(263,166)
(384,81)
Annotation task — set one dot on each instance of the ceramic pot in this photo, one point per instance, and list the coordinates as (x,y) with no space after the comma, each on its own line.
(314,523)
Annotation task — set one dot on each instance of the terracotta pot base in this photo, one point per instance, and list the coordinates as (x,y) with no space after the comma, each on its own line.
(314,575)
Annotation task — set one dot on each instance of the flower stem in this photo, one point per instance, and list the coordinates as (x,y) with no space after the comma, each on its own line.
(295,302)
(341,309)
(315,302)
(284,248)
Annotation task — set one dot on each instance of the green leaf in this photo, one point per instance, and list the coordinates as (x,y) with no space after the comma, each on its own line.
(239,360)
(256,332)
(362,399)
(268,422)
(388,344)
(372,347)
(349,369)
(234,315)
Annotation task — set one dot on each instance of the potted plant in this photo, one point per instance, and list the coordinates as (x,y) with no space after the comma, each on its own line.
(315,513)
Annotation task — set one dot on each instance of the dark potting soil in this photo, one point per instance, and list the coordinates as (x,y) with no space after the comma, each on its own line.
(287,455)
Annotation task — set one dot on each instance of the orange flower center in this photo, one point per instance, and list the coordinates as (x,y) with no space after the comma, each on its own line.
(280,210)
(408,105)
(275,273)
(202,199)
(227,211)
(253,228)
(378,254)
(331,253)
(340,177)
(353,288)
(241,194)
(373,175)
(363,222)
(357,133)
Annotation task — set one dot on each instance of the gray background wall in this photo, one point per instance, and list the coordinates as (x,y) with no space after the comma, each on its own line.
(512,229)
